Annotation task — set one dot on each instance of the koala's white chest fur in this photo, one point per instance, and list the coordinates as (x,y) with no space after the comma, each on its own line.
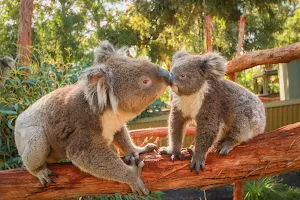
(190,105)
(112,122)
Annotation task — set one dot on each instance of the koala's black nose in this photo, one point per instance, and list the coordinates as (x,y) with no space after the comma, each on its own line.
(165,74)
(171,78)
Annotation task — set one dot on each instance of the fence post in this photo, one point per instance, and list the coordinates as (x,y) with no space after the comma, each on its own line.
(238,190)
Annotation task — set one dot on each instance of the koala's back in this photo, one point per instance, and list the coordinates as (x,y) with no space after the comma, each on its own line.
(57,115)
(244,106)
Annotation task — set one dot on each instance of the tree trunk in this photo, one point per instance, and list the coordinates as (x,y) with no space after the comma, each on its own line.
(267,154)
(242,26)
(268,56)
(24,34)
(208,33)
(238,190)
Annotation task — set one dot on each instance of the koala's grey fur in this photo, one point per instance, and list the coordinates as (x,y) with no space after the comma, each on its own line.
(5,63)
(225,112)
(79,122)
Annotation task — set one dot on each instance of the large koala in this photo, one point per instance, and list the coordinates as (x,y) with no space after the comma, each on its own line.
(225,112)
(80,121)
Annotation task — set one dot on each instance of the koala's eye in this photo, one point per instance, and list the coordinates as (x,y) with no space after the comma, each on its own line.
(146,81)
(182,75)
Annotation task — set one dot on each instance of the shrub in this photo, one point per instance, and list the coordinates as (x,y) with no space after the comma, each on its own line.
(21,88)
(270,188)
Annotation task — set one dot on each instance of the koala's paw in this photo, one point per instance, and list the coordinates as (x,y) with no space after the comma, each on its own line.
(197,163)
(138,186)
(149,148)
(133,156)
(43,176)
(174,154)
(225,147)
(135,153)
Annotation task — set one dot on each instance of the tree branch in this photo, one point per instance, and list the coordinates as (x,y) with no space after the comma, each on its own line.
(267,154)
(269,56)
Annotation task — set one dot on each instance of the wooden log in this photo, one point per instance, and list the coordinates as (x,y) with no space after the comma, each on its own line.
(268,56)
(267,154)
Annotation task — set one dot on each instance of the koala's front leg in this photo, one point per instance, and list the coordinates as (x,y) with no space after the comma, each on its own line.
(123,140)
(92,155)
(177,129)
(208,125)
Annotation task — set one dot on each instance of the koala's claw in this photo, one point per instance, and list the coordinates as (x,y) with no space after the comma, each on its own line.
(46,180)
(43,176)
(43,182)
(139,188)
(197,163)
(128,159)
(164,150)
(140,167)
(149,148)
(224,151)
(191,152)
(174,156)
(225,147)
(53,174)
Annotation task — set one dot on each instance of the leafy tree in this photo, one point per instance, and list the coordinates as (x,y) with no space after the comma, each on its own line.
(9,15)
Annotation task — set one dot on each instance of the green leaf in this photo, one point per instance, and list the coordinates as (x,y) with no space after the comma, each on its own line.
(25,67)
(8,112)
(16,106)
(9,124)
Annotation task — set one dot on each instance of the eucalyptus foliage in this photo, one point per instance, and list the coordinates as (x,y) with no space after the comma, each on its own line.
(270,188)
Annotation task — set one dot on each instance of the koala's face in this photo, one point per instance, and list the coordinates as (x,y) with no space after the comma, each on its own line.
(187,76)
(189,72)
(135,82)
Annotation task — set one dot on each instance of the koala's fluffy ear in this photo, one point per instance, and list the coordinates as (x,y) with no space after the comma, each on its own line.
(98,90)
(214,63)
(179,54)
(105,50)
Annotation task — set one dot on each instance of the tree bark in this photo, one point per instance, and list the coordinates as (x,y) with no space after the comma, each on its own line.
(24,34)
(269,56)
(208,33)
(267,154)
(238,190)
(242,26)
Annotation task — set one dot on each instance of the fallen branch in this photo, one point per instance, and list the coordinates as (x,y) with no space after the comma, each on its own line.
(269,56)
(267,154)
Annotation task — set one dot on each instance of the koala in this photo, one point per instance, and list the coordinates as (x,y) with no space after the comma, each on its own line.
(5,63)
(225,112)
(80,121)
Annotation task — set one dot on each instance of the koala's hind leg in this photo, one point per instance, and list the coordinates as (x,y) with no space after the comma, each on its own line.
(35,154)
(239,132)
(93,156)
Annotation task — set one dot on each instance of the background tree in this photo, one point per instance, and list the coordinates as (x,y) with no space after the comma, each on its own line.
(24,32)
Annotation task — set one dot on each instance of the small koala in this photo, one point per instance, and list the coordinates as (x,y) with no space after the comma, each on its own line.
(80,121)
(225,112)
